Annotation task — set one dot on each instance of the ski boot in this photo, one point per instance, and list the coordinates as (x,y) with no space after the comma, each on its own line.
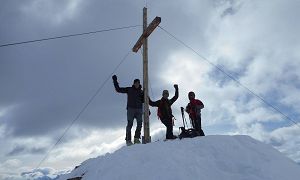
(129,143)
(137,141)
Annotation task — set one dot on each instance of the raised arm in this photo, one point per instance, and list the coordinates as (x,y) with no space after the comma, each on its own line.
(176,94)
(117,87)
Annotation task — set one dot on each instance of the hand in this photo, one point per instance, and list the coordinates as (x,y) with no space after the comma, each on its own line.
(114,77)
(176,86)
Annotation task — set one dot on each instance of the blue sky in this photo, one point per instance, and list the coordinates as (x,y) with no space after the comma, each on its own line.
(44,85)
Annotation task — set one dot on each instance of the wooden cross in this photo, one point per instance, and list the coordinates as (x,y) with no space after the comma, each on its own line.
(143,40)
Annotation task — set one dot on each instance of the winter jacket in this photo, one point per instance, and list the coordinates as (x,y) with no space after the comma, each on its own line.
(194,108)
(135,96)
(165,106)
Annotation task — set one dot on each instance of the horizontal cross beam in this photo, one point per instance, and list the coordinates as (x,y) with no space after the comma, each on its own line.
(146,33)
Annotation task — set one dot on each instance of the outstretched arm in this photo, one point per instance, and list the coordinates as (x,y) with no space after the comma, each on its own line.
(117,87)
(156,103)
(176,94)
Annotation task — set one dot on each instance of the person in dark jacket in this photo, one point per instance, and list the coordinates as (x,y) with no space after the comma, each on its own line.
(135,98)
(165,111)
(194,110)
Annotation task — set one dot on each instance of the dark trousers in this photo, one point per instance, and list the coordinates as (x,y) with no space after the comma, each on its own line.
(131,114)
(196,122)
(197,125)
(169,125)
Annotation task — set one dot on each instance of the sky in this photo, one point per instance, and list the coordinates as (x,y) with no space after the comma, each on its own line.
(44,85)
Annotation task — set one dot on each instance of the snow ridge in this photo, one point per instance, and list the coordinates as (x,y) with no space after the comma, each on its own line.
(210,158)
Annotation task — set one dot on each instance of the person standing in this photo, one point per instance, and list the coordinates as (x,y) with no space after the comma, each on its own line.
(135,99)
(164,110)
(194,110)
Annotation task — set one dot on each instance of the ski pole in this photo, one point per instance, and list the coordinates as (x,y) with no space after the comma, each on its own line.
(183,117)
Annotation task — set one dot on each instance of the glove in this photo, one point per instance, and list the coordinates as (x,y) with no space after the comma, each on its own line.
(115,78)
(176,86)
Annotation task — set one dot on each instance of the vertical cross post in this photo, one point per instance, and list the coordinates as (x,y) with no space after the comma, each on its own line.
(147,30)
(147,137)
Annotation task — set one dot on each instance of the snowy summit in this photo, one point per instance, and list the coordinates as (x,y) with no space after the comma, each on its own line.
(208,158)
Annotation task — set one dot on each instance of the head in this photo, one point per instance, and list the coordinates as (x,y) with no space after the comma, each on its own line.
(165,94)
(136,83)
(191,95)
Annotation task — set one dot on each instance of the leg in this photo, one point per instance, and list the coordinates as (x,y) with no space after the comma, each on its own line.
(201,131)
(169,126)
(199,127)
(130,117)
(139,121)
(200,122)
(197,124)
(171,129)
(192,120)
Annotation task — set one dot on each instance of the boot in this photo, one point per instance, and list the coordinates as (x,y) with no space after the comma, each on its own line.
(137,141)
(172,137)
(129,143)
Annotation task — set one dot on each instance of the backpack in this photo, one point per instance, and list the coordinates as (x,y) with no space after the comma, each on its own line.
(159,114)
(188,133)
(163,104)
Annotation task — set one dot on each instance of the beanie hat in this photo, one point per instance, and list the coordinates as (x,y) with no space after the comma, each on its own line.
(136,80)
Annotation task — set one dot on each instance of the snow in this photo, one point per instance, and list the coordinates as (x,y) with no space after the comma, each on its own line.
(208,158)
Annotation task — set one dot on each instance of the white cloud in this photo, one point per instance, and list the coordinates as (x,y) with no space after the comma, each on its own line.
(20,173)
(4,111)
(2,131)
(86,144)
(8,169)
(257,39)
(258,43)
(40,173)
(54,11)
(11,163)
(184,69)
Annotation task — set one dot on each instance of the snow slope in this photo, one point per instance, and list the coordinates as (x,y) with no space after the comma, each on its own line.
(206,158)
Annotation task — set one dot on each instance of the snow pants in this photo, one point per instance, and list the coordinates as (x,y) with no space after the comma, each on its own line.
(169,125)
(138,115)
(197,123)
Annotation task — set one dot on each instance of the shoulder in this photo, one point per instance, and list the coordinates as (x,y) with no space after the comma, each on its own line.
(128,89)
(197,101)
